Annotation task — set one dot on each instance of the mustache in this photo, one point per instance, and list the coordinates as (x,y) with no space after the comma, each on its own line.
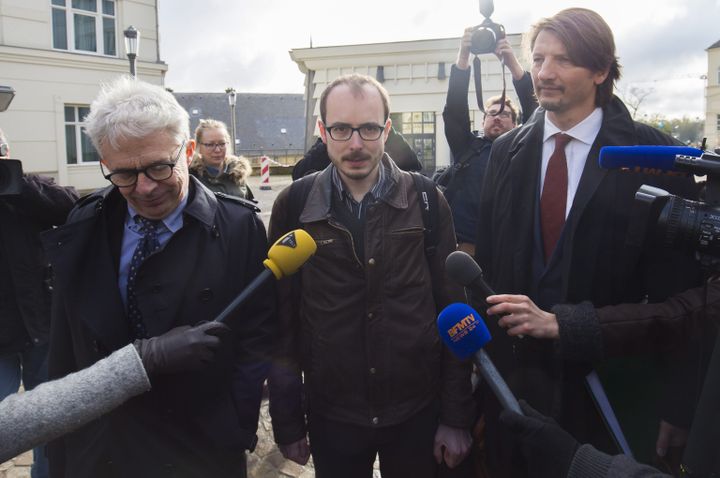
(550,86)
(356,156)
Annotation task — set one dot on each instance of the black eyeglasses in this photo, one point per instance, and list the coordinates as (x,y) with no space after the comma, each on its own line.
(343,132)
(214,145)
(502,114)
(160,171)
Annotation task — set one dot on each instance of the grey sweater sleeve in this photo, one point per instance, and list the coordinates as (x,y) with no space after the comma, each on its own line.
(58,407)
(591,463)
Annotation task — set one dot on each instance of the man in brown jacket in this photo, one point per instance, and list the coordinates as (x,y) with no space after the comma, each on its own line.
(359,321)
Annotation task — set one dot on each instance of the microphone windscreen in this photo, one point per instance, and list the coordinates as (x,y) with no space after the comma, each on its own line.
(289,253)
(462,329)
(462,268)
(651,157)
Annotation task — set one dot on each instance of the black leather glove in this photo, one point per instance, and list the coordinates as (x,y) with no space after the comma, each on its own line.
(182,348)
(548,449)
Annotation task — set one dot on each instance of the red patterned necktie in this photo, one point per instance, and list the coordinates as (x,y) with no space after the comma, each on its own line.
(554,196)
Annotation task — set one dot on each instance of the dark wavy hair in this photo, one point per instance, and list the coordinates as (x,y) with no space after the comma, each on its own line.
(589,43)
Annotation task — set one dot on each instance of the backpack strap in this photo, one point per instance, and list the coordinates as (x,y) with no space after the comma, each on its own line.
(428,195)
(299,192)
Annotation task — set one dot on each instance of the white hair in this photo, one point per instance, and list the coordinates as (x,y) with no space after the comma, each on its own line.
(132,109)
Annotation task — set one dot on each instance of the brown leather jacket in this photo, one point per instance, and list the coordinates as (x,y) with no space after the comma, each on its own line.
(364,334)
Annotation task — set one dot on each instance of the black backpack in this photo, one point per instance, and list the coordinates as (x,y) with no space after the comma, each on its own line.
(445,177)
(425,187)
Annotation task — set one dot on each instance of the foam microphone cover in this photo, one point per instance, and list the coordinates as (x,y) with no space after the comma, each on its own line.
(652,157)
(289,253)
(462,268)
(462,329)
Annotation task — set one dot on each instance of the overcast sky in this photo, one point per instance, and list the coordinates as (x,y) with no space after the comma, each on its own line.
(214,44)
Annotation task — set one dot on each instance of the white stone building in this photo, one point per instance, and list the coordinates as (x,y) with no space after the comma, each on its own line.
(55,54)
(416,76)
(712,97)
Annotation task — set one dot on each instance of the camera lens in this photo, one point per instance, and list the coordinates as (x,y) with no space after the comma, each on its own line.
(690,225)
(482,41)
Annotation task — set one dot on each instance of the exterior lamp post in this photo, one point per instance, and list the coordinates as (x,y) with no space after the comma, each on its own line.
(232,98)
(132,44)
(7,93)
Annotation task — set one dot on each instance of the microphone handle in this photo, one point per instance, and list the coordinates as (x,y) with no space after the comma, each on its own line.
(479,284)
(496,382)
(243,297)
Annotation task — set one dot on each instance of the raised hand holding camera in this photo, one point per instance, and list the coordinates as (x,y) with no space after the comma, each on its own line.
(484,40)
(488,33)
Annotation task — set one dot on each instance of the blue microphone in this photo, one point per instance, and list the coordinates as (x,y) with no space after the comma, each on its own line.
(464,332)
(644,157)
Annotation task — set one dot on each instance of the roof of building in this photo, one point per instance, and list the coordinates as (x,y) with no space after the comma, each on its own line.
(263,121)
(714,45)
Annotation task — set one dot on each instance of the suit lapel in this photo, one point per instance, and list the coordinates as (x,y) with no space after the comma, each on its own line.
(525,159)
(615,130)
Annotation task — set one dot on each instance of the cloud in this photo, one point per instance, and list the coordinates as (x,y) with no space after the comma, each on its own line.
(244,43)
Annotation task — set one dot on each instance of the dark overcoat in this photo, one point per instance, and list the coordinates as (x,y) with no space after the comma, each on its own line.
(190,424)
(595,264)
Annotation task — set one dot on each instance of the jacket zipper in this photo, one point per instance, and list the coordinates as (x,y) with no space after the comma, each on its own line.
(352,242)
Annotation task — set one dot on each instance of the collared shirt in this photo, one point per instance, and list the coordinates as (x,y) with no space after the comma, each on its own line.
(171,224)
(576,151)
(378,191)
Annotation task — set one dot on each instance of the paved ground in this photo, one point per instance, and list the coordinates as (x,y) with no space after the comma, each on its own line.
(266,198)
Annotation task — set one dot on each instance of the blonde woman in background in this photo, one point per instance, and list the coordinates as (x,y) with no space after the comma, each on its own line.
(214,165)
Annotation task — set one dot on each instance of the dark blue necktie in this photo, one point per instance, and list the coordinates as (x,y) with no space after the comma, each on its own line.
(148,245)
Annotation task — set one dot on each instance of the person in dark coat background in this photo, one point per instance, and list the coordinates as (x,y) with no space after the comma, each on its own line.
(154,251)
(25,282)
(470,151)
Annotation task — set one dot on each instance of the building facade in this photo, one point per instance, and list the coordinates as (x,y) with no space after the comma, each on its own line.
(56,54)
(265,124)
(712,97)
(415,74)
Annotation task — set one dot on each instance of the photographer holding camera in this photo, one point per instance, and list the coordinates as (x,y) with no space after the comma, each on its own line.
(29,204)
(470,151)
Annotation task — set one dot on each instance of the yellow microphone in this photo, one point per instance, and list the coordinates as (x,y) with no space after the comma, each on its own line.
(289,253)
(285,257)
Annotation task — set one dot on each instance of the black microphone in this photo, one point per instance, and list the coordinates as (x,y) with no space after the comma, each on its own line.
(463,269)
(465,333)
(284,258)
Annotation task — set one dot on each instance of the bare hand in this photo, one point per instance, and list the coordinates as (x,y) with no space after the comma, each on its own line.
(505,53)
(451,444)
(463,58)
(669,436)
(299,451)
(523,317)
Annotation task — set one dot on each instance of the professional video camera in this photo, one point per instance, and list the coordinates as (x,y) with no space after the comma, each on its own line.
(668,221)
(10,169)
(486,35)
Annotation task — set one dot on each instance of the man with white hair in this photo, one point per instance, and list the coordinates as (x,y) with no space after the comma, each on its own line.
(153,251)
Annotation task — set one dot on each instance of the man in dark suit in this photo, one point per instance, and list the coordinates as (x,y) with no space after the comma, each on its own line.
(553,225)
(153,251)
